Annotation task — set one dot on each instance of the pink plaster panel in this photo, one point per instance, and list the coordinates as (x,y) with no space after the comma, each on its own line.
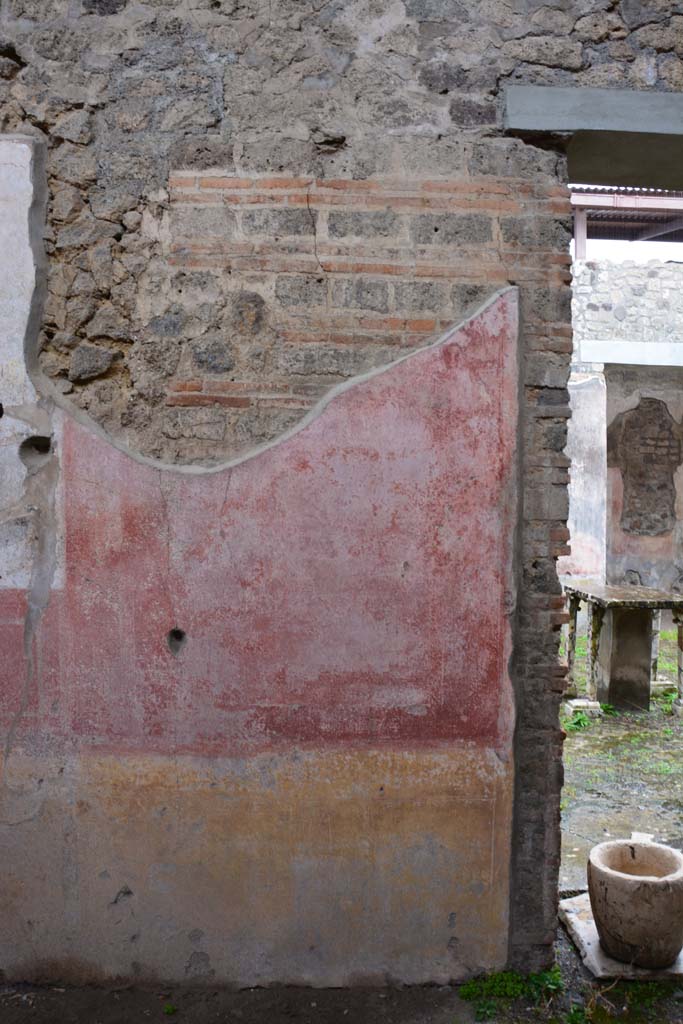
(349,585)
(661,548)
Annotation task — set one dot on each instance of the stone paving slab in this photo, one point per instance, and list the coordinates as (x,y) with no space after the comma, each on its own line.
(577,917)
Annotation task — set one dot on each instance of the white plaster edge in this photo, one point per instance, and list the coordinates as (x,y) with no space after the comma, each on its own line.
(584,379)
(633,353)
(44,387)
(34,513)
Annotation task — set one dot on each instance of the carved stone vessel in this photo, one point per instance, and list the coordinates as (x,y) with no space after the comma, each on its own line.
(636,894)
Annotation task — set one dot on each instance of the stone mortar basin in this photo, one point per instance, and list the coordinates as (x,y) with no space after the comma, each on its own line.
(636,894)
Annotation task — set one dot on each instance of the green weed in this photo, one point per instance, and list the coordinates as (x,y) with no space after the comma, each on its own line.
(663,768)
(576,1015)
(504,985)
(647,993)
(495,990)
(485,1009)
(579,720)
(546,984)
(667,700)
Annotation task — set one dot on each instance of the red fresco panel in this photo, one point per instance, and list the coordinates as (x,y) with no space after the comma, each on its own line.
(349,585)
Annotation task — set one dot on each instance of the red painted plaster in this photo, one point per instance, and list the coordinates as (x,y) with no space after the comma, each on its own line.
(346,586)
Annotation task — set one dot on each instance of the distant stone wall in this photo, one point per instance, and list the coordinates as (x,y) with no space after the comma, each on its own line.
(627,304)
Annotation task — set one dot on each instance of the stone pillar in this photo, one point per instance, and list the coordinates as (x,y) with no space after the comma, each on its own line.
(624,658)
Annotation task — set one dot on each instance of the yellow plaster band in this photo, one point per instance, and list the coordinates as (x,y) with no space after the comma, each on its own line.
(315,868)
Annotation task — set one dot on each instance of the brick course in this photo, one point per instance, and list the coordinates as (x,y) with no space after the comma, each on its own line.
(367,277)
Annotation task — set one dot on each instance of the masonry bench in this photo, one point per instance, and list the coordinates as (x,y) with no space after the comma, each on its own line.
(621,626)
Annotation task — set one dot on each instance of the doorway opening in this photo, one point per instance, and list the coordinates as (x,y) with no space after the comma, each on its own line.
(623,755)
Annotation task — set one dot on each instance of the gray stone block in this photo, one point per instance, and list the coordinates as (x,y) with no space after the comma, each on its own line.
(451,229)
(360,293)
(88,362)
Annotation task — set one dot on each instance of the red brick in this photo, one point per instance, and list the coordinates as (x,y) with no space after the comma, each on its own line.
(263,199)
(179,181)
(224,181)
(194,400)
(350,184)
(240,387)
(480,186)
(283,182)
(185,199)
(355,339)
(559,533)
(283,402)
(559,618)
(421,325)
(561,549)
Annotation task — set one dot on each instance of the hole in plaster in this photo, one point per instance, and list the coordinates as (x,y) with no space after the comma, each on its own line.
(2,410)
(177,638)
(35,451)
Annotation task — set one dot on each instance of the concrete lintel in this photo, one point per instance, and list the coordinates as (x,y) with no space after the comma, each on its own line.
(540,108)
(633,353)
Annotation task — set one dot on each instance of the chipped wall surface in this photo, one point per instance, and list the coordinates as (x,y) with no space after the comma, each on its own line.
(628,313)
(250,203)
(320,279)
(254,740)
(645,475)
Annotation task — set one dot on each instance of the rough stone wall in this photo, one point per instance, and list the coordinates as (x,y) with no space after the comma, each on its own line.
(627,303)
(132,96)
(126,93)
(322,279)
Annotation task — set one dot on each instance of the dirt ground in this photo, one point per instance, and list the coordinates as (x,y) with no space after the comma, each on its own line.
(623,773)
(254,1006)
(565,996)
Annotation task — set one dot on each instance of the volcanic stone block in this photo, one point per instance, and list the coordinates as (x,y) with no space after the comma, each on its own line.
(88,362)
